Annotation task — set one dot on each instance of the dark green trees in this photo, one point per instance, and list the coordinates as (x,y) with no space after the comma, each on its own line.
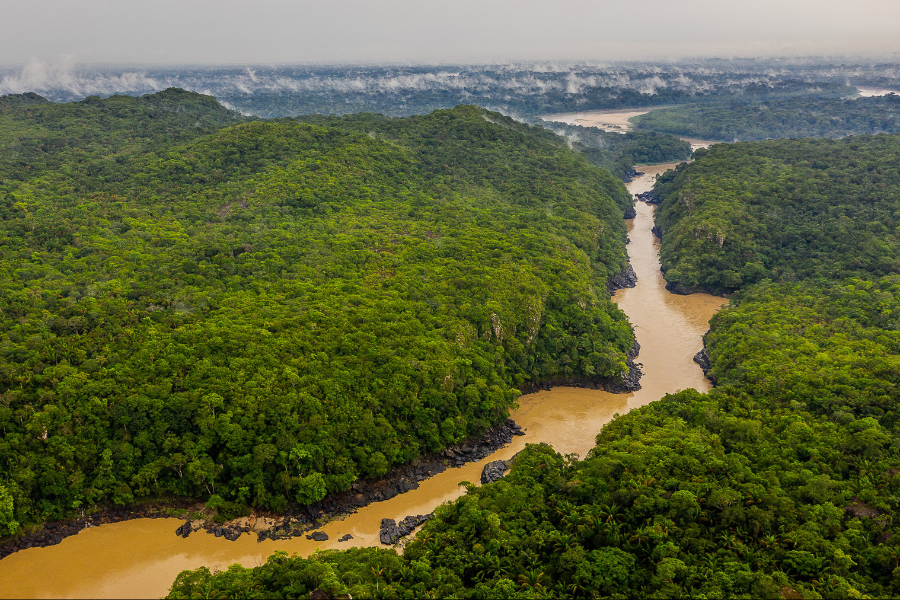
(784,210)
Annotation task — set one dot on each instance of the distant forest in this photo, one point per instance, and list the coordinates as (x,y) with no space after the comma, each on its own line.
(801,116)
(520,90)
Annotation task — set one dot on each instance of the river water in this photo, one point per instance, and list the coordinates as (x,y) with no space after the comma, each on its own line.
(140,558)
(617,121)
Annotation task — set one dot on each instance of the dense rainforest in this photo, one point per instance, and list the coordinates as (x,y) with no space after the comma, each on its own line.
(793,117)
(785,210)
(197,305)
(782,482)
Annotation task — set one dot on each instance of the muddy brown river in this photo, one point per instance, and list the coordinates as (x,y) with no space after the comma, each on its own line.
(140,558)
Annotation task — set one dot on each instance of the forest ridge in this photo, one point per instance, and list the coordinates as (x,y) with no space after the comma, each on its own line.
(199,305)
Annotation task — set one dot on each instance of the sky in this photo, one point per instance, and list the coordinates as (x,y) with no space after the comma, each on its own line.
(168,32)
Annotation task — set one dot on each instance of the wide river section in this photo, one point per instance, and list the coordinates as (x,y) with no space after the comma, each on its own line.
(616,121)
(140,558)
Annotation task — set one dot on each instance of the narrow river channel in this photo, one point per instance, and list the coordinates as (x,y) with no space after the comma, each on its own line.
(140,558)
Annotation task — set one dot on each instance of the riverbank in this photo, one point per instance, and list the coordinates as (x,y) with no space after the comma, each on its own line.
(298,521)
(617,121)
(292,523)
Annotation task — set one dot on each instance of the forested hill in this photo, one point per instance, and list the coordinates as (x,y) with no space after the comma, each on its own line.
(36,134)
(439,137)
(784,210)
(793,117)
(267,311)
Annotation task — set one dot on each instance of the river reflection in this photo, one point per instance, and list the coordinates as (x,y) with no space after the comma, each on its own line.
(140,558)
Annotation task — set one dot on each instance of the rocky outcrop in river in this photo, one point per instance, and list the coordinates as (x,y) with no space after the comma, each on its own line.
(702,358)
(648,197)
(626,279)
(493,471)
(684,290)
(391,531)
(631,175)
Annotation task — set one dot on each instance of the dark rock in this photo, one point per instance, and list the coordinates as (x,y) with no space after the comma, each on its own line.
(648,197)
(345,538)
(682,290)
(318,536)
(702,359)
(630,175)
(232,535)
(391,531)
(493,471)
(185,530)
(630,213)
(626,279)
(657,231)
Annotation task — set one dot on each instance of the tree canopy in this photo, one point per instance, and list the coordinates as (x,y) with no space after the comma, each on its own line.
(785,210)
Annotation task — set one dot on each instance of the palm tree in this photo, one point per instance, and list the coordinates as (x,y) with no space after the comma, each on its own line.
(563,542)
(531,578)
(486,565)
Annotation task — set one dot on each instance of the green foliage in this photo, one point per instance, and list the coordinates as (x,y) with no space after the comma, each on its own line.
(783,480)
(784,210)
(360,572)
(800,116)
(8,524)
(265,312)
(225,510)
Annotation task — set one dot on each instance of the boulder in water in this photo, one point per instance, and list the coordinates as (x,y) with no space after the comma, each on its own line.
(493,471)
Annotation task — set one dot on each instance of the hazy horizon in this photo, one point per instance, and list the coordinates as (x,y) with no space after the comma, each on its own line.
(280,32)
